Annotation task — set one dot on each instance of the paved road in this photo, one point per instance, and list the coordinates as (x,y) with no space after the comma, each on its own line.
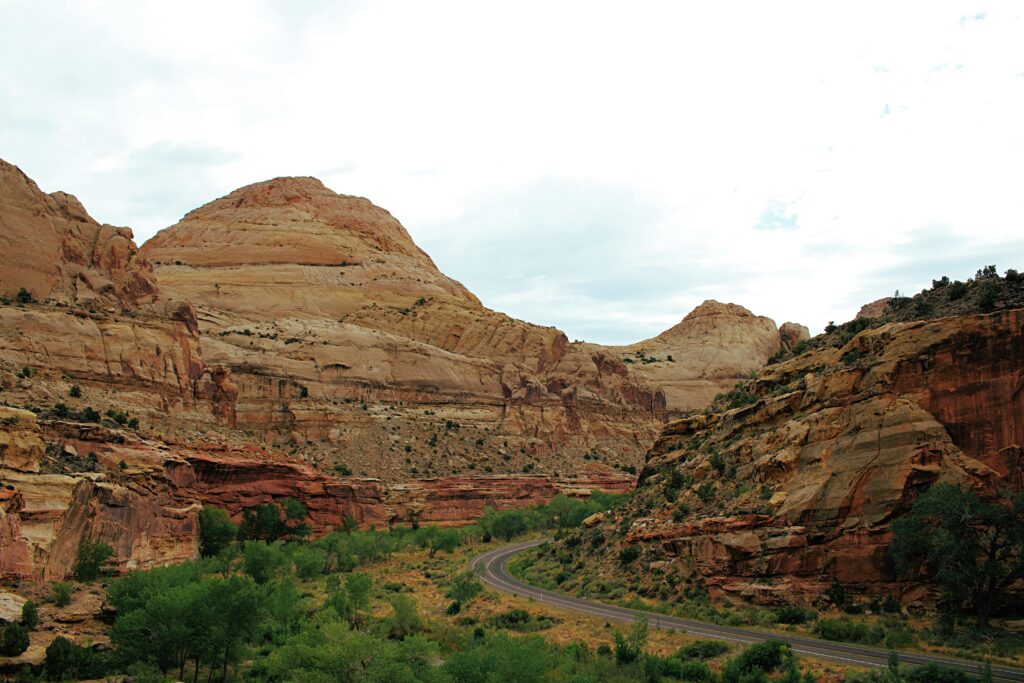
(491,567)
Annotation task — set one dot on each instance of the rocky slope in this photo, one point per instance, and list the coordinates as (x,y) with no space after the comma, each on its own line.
(351,348)
(296,342)
(793,478)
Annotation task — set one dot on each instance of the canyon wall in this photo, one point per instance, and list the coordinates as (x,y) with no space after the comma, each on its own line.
(798,484)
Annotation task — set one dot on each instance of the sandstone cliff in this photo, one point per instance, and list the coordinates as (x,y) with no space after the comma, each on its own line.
(349,346)
(794,478)
(289,338)
(712,348)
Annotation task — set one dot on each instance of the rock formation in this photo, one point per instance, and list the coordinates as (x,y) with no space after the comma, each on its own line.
(346,342)
(291,341)
(796,483)
(711,349)
(52,248)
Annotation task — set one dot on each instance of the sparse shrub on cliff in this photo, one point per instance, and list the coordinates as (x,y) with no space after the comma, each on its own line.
(706,492)
(956,290)
(24,297)
(628,554)
(91,556)
(75,392)
(988,295)
(29,615)
(216,531)
(61,593)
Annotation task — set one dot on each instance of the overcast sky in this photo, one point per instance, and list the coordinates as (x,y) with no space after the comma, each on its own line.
(601,167)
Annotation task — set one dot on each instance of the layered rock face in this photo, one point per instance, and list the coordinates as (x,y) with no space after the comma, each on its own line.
(799,484)
(711,349)
(346,341)
(63,482)
(96,317)
(293,331)
(50,246)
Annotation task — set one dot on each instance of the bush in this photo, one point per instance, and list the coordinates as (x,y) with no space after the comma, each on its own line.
(848,631)
(61,595)
(988,296)
(793,614)
(13,640)
(29,615)
(75,392)
(520,620)
(703,649)
(67,661)
(91,556)
(706,492)
(628,554)
(24,296)
(216,531)
(956,291)
(764,658)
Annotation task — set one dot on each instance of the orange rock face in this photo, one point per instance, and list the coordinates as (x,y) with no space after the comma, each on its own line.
(55,250)
(343,337)
(805,481)
(287,318)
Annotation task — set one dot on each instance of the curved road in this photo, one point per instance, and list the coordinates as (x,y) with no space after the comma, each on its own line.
(491,568)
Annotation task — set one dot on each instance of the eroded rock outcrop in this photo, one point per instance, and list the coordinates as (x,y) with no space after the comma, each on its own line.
(344,338)
(711,349)
(799,483)
(50,246)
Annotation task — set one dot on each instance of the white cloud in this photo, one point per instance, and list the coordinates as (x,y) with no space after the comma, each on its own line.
(685,126)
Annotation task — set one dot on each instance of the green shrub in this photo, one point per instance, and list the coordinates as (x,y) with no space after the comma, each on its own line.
(846,630)
(703,649)
(75,392)
(67,661)
(793,614)
(13,640)
(91,556)
(216,531)
(628,554)
(29,615)
(766,657)
(706,491)
(24,296)
(61,594)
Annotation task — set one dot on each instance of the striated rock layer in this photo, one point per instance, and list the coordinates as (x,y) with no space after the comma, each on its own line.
(799,485)
(287,332)
(347,343)
(143,498)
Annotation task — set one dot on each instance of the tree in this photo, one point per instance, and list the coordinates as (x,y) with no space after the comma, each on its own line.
(29,615)
(445,540)
(216,531)
(262,561)
(972,547)
(508,524)
(629,648)
(405,620)
(464,587)
(91,556)
(13,639)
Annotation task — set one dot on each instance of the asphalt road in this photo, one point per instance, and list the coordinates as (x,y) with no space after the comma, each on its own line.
(491,568)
